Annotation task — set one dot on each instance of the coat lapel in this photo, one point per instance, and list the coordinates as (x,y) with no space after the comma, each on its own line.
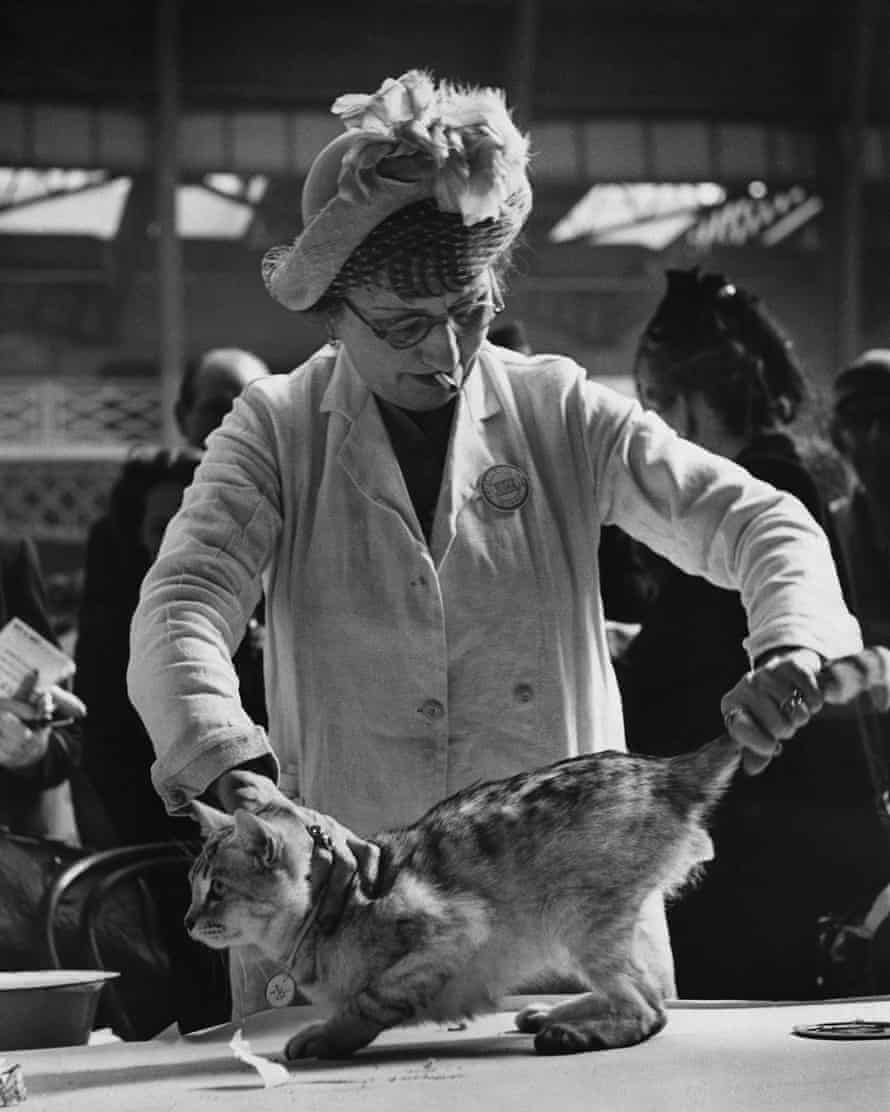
(468,457)
(366,454)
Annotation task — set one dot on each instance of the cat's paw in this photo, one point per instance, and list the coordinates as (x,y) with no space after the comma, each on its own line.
(532,1018)
(601,1033)
(313,1041)
(338,1037)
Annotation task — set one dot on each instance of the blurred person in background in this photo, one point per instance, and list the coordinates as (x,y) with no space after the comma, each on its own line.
(860,428)
(423,509)
(121,547)
(117,751)
(36,761)
(208,389)
(800,840)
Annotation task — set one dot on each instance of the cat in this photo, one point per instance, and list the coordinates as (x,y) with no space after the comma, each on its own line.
(547,870)
(491,887)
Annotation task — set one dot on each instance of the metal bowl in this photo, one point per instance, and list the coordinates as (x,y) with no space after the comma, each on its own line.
(49,1007)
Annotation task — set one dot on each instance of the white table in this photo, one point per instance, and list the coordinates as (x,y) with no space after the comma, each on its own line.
(709,1057)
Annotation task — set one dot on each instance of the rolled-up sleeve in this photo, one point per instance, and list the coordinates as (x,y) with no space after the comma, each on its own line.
(194,607)
(710,517)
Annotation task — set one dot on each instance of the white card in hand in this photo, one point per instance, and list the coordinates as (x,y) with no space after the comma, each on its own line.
(22,651)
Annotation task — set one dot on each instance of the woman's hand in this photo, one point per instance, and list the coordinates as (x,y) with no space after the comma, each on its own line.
(27,720)
(771,703)
(353,862)
(245,790)
(350,859)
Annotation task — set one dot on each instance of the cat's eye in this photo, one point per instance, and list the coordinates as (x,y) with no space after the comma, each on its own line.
(217,888)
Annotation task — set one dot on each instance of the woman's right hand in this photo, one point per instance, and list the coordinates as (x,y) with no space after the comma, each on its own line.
(352,858)
(27,721)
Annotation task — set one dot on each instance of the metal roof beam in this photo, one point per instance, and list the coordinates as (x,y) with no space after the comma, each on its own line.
(569,152)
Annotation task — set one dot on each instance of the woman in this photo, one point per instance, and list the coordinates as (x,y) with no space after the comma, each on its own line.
(423,510)
(715,366)
(801,840)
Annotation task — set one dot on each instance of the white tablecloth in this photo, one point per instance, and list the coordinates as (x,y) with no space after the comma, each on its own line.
(722,1057)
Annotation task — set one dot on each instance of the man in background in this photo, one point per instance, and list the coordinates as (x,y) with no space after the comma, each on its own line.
(209,388)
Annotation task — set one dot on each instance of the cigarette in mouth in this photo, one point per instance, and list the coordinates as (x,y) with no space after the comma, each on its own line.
(445,380)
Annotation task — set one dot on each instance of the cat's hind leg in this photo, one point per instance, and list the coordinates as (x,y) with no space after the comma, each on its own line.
(618,1014)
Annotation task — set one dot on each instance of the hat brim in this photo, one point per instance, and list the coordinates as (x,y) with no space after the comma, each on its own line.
(299,275)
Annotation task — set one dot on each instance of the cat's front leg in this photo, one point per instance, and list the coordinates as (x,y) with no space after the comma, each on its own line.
(337,1037)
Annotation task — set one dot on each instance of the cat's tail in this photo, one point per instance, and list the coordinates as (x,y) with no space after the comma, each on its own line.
(700,778)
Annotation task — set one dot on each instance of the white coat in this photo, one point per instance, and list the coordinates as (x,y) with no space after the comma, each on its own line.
(398,672)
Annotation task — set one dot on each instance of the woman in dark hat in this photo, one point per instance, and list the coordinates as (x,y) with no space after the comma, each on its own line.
(800,841)
(423,509)
(715,365)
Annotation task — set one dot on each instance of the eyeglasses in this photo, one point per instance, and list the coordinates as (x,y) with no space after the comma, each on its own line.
(409,331)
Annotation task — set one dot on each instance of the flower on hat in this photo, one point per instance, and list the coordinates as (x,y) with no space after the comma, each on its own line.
(462,139)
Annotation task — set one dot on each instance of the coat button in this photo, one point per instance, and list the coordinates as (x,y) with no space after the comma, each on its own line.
(432,709)
(523,693)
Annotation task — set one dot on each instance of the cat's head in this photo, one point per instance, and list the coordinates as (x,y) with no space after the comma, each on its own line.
(251,883)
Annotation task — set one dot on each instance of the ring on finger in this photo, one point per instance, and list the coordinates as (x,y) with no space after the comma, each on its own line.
(321,839)
(795,702)
(730,715)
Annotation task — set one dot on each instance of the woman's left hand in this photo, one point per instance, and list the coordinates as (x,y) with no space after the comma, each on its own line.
(771,703)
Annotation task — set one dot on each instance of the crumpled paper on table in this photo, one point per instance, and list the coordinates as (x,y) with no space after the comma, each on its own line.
(12,1083)
(272,1073)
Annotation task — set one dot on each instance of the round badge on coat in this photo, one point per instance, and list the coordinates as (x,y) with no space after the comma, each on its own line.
(280,990)
(504,486)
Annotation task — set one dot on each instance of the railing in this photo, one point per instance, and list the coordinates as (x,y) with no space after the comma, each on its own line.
(78,418)
(62,442)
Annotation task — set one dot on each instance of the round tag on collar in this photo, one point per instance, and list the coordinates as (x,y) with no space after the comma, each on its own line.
(281,990)
(504,486)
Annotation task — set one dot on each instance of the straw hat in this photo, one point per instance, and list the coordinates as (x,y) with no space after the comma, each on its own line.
(412,140)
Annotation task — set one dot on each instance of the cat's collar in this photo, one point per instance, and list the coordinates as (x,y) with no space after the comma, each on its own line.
(320,841)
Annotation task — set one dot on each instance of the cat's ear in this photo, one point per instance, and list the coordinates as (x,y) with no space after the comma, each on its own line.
(258,837)
(209,819)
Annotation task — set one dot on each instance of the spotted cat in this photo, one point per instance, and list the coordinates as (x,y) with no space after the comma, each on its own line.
(545,871)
